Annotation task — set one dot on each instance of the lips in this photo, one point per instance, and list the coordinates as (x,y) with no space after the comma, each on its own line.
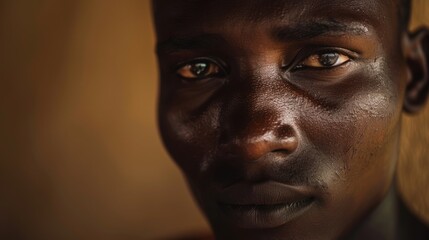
(264,205)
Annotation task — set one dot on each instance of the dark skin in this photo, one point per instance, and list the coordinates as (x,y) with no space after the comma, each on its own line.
(285,116)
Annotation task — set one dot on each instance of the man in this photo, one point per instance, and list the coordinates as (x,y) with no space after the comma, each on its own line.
(285,115)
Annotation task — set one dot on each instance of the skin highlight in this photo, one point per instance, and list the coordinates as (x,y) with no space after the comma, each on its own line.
(285,118)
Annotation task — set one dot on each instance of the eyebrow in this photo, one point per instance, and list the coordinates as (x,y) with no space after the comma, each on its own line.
(203,41)
(298,32)
(308,30)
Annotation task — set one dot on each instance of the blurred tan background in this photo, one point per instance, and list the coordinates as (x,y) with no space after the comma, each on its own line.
(80,157)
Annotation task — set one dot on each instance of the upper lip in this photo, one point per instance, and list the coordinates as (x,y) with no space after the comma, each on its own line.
(265,193)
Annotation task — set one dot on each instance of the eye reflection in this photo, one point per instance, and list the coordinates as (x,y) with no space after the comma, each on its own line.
(324,60)
(200,69)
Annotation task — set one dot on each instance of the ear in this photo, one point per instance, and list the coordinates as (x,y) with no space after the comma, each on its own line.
(417,57)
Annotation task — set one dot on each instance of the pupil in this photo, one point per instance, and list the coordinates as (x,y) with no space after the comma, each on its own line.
(199,68)
(328,59)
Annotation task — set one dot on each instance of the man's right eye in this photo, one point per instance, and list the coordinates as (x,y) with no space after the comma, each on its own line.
(200,69)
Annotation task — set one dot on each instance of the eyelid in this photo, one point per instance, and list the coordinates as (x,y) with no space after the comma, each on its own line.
(222,65)
(305,53)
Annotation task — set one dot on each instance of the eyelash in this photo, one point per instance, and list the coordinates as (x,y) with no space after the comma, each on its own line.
(295,65)
(303,55)
(203,60)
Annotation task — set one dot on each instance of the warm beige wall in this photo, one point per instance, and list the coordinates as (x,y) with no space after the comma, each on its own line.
(413,167)
(82,158)
(80,155)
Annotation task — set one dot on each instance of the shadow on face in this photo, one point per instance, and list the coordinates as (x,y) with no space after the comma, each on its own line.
(283,116)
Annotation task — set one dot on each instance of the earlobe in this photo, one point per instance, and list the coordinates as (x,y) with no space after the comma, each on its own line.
(417,56)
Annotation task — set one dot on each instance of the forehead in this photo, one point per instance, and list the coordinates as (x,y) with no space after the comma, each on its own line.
(174,17)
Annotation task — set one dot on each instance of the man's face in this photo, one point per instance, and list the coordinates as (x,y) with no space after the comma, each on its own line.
(283,115)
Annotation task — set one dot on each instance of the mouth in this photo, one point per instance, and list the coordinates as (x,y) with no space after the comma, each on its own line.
(264,205)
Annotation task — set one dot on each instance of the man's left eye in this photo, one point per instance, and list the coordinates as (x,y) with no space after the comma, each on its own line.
(324,60)
(199,69)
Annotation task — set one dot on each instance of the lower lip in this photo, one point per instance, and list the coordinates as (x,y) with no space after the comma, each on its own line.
(265,216)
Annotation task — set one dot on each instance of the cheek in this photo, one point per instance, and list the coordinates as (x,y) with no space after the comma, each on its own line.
(359,137)
(189,138)
(366,113)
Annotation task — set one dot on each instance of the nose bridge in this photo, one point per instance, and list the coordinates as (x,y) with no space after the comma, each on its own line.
(254,121)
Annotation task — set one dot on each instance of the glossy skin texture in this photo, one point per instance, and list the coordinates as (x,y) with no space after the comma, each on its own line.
(306,96)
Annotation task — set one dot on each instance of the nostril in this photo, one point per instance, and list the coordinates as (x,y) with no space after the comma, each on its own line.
(255,144)
(259,147)
(280,150)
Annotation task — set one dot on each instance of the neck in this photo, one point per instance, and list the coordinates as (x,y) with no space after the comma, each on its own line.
(382,223)
(391,220)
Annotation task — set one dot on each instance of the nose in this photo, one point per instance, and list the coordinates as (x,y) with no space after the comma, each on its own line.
(250,136)
(258,122)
